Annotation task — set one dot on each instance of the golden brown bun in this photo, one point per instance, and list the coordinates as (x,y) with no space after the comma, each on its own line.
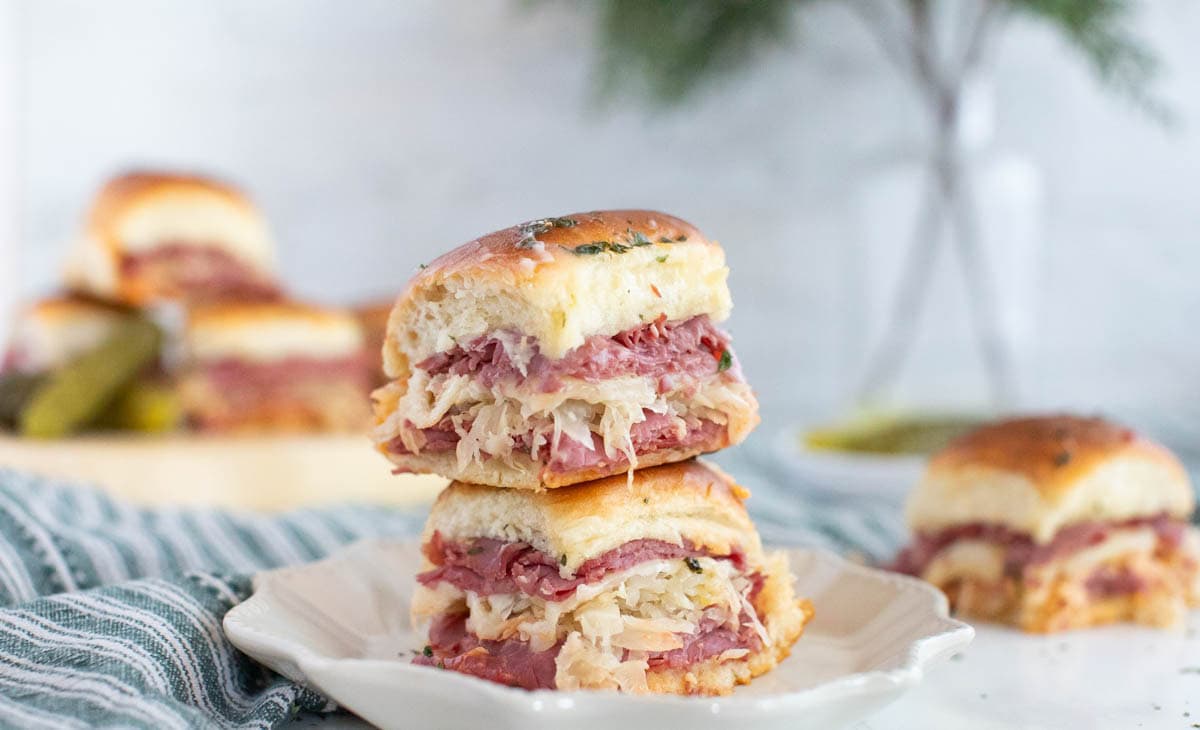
(784,618)
(690,500)
(138,212)
(534,280)
(264,331)
(1037,474)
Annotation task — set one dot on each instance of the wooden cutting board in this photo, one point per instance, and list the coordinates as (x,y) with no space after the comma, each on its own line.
(270,473)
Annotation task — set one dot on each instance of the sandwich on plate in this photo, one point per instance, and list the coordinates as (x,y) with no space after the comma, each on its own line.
(660,586)
(153,237)
(1056,522)
(563,350)
(274,366)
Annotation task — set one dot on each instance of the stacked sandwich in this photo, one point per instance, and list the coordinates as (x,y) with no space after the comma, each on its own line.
(564,373)
(250,360)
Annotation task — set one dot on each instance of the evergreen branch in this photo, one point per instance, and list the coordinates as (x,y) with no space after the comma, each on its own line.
(668,49)
(1098,29)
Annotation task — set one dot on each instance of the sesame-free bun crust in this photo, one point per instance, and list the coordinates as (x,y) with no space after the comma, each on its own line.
(534,279)
(1037,474)
(264,331)
(524,473)
(690,500)
(138,212)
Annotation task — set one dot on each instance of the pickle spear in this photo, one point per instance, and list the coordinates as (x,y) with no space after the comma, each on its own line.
(76,394)
(15,391)
(143,406)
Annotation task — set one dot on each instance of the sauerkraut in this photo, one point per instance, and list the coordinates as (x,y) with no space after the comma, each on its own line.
(608,629)
(511,418)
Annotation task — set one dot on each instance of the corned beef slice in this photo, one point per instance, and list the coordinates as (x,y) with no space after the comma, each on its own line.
(486,566)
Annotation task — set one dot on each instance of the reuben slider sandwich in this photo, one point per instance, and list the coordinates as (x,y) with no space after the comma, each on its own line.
(152,237)
(274,366)
(563,350)
(661,586)
(1055,523)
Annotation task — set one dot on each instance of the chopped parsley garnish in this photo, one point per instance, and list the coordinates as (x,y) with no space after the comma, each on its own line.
(427,651)
(662,259)
(591,249)
(531,230)
(633,239)
(725,361)
(422,266)
(693,565)
(474,550)
(562,559)
(636,238)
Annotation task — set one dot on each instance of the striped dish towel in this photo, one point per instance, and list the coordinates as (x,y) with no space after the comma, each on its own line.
(110,615)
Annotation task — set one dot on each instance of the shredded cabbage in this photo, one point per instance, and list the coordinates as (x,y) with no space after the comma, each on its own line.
(608,628)
(490,421)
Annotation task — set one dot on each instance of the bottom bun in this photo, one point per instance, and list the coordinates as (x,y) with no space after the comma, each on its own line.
(525,473)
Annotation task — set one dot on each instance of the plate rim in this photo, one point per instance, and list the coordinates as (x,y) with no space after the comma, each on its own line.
(945,636)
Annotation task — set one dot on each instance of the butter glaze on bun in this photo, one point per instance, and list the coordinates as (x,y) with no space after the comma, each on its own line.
(1038,474)
(560,280)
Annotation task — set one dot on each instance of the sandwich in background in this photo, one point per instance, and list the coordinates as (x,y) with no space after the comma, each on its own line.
(659,585)
(1057,522)
(274,366)
(373,319)
(563,350)
(152,237)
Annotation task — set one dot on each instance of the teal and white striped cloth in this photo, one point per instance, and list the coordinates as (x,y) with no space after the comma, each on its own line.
(110,615)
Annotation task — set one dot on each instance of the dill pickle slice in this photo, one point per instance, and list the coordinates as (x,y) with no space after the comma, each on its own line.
(76,394)
(15,391)
(893,435)
(143,406)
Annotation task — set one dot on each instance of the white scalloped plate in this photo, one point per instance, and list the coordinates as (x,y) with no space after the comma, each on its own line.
(341,626)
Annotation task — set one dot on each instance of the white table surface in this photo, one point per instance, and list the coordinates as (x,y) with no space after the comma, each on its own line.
(1118,677)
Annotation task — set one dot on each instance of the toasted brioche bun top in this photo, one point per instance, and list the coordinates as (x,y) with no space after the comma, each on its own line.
(267,331)
(52,331)
(1038,474)
(690,500)
(559,280)
(140,211)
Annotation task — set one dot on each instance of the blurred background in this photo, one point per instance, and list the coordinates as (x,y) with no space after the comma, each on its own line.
(376,135)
